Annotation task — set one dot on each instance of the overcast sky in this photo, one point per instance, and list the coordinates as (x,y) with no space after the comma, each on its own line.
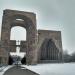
(51,15)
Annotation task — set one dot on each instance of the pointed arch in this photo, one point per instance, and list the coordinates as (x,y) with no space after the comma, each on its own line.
(49,51)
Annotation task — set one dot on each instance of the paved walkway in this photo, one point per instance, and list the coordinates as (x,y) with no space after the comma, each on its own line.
(19,71)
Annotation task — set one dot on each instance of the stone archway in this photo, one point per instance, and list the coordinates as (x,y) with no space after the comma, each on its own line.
(27,20)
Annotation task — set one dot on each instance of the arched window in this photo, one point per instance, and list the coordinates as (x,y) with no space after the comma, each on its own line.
(49,51)
(18,33)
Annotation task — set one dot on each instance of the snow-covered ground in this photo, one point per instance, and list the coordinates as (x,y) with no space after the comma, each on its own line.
(3,69)
(54,69)
(50,69)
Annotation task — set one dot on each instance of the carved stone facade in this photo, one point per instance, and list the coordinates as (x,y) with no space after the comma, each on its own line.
(47,45)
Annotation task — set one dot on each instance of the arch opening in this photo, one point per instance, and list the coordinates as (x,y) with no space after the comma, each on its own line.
(19,19)
(18,34)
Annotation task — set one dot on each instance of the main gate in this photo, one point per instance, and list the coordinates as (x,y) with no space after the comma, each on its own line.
(27,20)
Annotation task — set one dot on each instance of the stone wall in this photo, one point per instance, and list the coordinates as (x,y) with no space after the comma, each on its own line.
(47,50)
(23,46)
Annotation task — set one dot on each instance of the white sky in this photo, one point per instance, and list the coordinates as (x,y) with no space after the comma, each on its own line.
(51,15)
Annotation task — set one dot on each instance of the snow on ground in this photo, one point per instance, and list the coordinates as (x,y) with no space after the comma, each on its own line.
(50,69)
(54,69)
(3,69)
